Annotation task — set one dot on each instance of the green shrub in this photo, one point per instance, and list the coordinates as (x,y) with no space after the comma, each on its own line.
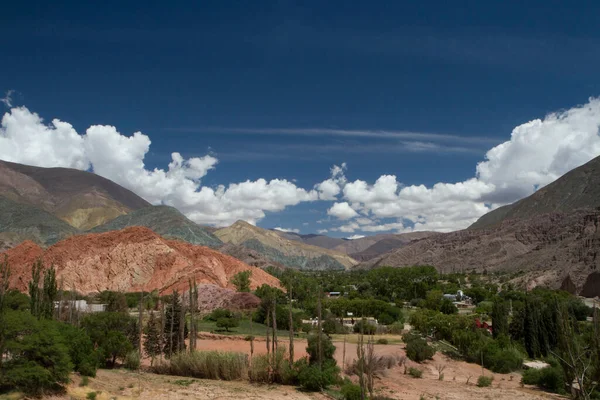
(396,328)
(549,378)
(91,396)
(132,361)
(365,327)
(313,378)
(415,372)
(313,347)
(350,391)
(205,365)
(418,350)
(84,381)
(484,381)
(382,341)
(501,360)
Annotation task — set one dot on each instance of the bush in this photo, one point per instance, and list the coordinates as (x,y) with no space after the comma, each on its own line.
(205,365)
(365,326)
(415,372)
(396,328)
(91,396)
(418,350)
(501,360)
(549,378)
(132,361)
(313,347)
(382,341)
(227,323)
(350,391)
(484,381)
(312,378)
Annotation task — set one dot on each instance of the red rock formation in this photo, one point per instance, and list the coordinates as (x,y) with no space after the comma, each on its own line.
(132,259)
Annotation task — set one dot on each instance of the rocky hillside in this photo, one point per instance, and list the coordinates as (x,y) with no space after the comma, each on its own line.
(291,253)
(577,189)
(554,249)
(132,259)
(20,222)
(312,239)
(167,222)
(82,199)
(387,243)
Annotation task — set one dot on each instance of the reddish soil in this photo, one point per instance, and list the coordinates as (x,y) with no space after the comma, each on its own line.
(132,259)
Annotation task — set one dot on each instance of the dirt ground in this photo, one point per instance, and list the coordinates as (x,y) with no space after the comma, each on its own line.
(459,379)
(395,384)
(123,385)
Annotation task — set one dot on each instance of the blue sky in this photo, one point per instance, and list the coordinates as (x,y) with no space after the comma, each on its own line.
(288,89)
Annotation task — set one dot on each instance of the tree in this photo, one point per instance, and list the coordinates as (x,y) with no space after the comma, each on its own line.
(49,293)
(115,301)
(112,333)
(34,289)
(241,280)
(4,283)
(500,317)
(81,349)
(447,307)
(228,323)
(37,358)
(576,356)
(173,319)
(153,340)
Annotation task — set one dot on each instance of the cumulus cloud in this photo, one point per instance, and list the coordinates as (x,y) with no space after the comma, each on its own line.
(287,230)
(342,211)
(25,138)
(330,188)
(322,231)
(537,153)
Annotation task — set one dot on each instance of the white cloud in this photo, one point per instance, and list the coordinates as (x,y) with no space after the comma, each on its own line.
(7,99)
(330,188)
(322,231)
(342,211)
(537,153)
(25,138)
(287,230)
(353,237)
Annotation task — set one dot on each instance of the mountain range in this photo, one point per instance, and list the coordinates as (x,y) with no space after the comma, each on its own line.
(549,238)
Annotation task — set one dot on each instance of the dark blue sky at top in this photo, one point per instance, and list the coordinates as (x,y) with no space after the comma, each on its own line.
(201,77)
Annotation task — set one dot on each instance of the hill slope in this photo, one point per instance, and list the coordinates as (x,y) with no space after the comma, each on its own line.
(133,259)
(167,222)
(82,199)
(389,243)
(579,188)
(20,222)
(312,239)
(549,250)
(288,252)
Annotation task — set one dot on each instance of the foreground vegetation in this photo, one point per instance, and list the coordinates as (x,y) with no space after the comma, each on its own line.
(43,339)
